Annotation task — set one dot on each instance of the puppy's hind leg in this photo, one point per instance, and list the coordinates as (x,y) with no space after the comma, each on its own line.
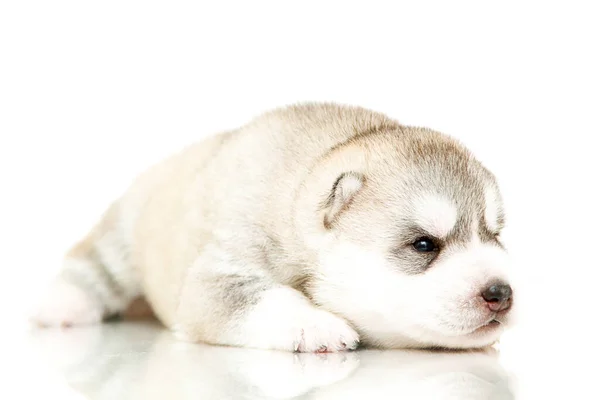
(96,280)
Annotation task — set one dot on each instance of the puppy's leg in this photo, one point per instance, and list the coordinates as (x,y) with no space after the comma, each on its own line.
(250,310)
(96,280)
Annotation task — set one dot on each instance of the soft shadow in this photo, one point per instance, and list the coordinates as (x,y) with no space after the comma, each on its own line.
(140,360)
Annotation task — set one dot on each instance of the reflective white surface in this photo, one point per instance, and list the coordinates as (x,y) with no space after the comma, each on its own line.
(141,360)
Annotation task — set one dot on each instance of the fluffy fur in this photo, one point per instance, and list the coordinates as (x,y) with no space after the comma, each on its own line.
(296,232)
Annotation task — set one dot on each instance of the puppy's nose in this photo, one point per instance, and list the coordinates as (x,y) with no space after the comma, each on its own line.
(498,296)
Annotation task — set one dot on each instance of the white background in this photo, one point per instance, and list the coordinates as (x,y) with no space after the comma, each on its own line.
(91,93)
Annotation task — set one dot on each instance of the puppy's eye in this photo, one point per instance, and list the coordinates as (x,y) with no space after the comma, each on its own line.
(424,245)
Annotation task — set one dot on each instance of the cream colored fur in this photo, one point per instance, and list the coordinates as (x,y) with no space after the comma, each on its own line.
(291,233)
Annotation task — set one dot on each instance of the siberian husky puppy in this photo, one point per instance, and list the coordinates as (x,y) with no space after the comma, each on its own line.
(311,228)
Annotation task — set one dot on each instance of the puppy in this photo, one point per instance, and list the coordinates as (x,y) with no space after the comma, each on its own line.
(311,228)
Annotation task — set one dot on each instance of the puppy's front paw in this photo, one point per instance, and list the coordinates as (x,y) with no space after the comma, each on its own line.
(323,332)
(282,319)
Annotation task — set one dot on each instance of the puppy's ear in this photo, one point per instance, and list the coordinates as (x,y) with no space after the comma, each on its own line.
(343,191)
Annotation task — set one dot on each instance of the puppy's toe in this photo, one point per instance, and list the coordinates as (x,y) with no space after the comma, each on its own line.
(325,333)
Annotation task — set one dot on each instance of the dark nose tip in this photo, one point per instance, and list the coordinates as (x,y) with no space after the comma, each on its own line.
(498,296)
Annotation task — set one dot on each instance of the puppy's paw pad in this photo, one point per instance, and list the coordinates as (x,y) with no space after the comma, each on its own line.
(65,305)
(323,332)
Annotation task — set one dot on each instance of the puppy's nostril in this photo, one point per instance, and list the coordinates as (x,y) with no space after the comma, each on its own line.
(499,292)
(498,296)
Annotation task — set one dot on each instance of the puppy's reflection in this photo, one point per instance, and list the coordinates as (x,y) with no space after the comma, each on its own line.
(143,361)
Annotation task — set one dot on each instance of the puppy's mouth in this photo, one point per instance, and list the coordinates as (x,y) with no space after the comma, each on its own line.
(489,326)
(482,328)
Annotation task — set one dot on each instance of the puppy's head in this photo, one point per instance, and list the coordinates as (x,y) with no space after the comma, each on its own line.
(409,243)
